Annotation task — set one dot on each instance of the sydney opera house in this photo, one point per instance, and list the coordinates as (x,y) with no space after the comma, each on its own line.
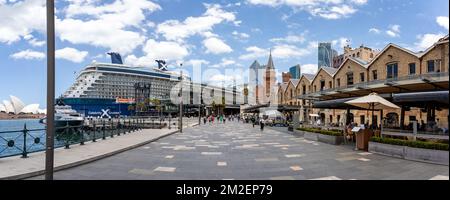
(16,106)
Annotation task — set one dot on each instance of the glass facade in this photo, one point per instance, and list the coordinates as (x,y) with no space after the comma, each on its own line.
(325,55)
(295,72)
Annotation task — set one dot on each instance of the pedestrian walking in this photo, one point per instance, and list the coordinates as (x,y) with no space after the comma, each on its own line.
(261,123)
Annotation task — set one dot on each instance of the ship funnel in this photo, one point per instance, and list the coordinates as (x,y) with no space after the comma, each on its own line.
(116,58)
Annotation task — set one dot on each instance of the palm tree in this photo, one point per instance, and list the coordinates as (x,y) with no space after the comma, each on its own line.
(157,104)
(131,108)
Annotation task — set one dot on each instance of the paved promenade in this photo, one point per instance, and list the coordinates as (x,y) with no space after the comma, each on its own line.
(18,168)
(238,151)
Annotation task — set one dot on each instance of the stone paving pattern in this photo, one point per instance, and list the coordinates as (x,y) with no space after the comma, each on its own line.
(238,151)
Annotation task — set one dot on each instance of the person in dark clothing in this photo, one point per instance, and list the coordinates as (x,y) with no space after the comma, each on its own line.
(261,123)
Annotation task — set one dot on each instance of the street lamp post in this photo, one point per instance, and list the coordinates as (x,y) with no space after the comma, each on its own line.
(199,114)
(200,106)
(49,156)
(181,103)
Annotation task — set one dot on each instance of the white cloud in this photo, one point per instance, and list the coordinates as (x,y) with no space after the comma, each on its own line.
(328,9)
(374,30)
(100,34)
(288,51)
(240,36)
(254,52)
(105,25)
(216,46)
(166,50)
(341,42)
(33,41)
(391,33)
(443,21)
(359,2)
(290,39)
(71,54)
(335,12)
(225,62)
(114,24)
(427,40)
(28,55)
(20,18)
(197,62)
(309,68)
(394,31)
(220,79)
(178,31)
(395,28)
(36,43)
(281,51)
(114,9)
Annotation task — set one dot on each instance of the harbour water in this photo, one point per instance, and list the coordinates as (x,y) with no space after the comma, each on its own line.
(11,143)
(15,125)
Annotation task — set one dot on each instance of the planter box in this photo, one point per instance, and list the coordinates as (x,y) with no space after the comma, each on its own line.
(335,140)
(311,136)
(298,133)
(427,155)
(410,153)
(387,149)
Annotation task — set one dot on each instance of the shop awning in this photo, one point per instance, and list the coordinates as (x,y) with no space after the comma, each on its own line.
(416,97)
(334,104)
(413,99)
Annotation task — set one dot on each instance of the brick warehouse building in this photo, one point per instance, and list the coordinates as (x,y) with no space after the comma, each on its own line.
(416,81)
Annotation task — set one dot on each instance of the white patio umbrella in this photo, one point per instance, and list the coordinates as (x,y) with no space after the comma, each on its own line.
(272,113)
(372,102)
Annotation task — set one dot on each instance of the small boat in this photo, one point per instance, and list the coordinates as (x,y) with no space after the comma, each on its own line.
(66,116)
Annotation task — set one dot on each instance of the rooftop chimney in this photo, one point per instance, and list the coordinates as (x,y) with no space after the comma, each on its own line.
(116,58)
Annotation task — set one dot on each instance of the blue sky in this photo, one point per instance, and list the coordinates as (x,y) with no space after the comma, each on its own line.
(217,33)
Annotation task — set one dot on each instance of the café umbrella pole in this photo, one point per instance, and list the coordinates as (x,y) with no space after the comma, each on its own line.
(50,130)
(372,102)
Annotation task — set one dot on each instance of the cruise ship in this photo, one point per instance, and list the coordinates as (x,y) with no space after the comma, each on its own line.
(117,81)
(111,89)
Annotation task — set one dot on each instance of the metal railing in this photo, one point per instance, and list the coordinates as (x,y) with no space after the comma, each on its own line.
(26,141)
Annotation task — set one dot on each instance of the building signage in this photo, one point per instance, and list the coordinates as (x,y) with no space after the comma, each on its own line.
(104,113)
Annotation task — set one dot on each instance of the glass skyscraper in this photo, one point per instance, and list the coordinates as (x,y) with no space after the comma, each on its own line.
(325,55)
(295,72)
